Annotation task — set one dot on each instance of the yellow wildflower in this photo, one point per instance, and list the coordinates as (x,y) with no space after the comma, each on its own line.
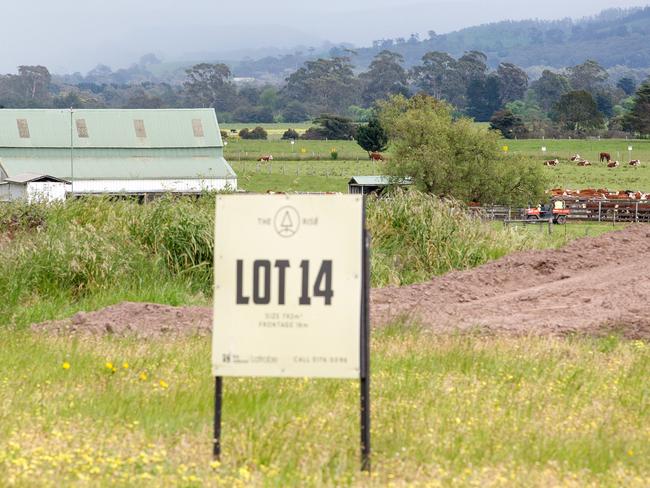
(163,384)
(125,365)
(65,365)
(143,376)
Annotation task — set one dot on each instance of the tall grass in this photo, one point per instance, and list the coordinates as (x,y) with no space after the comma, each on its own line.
(60,258)
(416,236)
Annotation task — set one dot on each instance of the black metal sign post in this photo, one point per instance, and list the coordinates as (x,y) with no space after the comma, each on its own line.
(364,365)
(216,439)
(365,353)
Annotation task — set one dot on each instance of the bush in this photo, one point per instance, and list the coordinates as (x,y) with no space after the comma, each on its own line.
(456,158)
(334,155)
(256,133)
(290,134)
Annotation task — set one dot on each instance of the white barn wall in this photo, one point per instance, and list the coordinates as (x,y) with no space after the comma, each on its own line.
(152,186)
(45,191)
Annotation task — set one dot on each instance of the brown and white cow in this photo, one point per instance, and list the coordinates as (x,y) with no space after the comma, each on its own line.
(613,164)
(375,156)
(635,162)
(576,158)
(266,158)
(583,162)
(552,162)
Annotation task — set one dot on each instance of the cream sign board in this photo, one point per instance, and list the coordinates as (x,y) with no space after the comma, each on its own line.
(288,286)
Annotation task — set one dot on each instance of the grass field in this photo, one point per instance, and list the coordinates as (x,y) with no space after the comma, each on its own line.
(446,411)
(288,170)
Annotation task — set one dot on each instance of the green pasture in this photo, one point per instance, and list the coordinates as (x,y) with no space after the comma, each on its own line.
(446,411)
(247,149)
(588,149)
(306,176)
(307,166)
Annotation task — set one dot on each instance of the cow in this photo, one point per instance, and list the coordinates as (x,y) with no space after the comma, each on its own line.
(552,162)
(605,157)
(583,162)
(635,163)
(266,158)
(613,164)
(576,158)
(375,156)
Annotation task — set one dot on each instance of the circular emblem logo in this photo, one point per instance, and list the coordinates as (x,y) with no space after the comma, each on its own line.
(286,221)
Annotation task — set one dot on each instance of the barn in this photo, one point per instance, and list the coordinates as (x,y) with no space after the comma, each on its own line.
(136,152)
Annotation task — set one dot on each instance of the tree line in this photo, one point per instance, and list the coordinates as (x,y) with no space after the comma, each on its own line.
(578,100)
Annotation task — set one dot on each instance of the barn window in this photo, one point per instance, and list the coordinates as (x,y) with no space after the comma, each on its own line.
(197,127)
(23,128)
(140,131)
(82,128)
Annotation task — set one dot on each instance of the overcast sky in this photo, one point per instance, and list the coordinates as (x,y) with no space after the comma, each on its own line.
(75,35)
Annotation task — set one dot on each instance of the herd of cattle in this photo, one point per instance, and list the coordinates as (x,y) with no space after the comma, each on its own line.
(604,158)
(599,194)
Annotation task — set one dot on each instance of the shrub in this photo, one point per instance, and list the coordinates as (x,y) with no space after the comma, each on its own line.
(256,133)
(455,158)
(334,155)
(290,134)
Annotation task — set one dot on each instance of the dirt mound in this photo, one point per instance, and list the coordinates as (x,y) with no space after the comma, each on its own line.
(135,319)
(593,285)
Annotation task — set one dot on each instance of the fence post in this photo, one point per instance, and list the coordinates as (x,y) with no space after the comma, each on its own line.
(636,212)
(600,206)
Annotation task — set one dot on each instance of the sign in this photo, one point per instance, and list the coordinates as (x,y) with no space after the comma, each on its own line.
(291,293)
(288,286)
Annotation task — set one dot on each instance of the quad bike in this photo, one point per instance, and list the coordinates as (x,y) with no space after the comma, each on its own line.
(555,211)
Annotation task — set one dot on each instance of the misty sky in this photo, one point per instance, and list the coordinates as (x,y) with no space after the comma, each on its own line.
(75,35)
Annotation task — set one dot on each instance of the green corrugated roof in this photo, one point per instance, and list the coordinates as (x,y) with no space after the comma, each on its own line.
(133,168)
(377,181)
(109,128)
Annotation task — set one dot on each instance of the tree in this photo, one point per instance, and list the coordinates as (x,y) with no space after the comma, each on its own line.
(577,110)
(628,85)
(588,76)
(210,85)
(385,77)
(324,85)
(372,137)
(513,82)
(35,82)
(483,98)
(260,115)
(605,103)
(549,88)
(455,158)
(508,124)
(331,127)
(295,112)
(638,120)
(439,77)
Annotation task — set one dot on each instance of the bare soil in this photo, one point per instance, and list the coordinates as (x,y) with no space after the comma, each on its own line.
(595,286)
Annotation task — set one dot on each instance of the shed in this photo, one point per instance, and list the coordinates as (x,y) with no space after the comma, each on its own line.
(117,151)
(373,184)
(33,187)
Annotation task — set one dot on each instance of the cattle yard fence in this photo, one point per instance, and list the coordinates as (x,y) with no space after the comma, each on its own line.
(585,210)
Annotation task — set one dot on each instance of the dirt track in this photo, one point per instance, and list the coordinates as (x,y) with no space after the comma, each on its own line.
(593,286)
